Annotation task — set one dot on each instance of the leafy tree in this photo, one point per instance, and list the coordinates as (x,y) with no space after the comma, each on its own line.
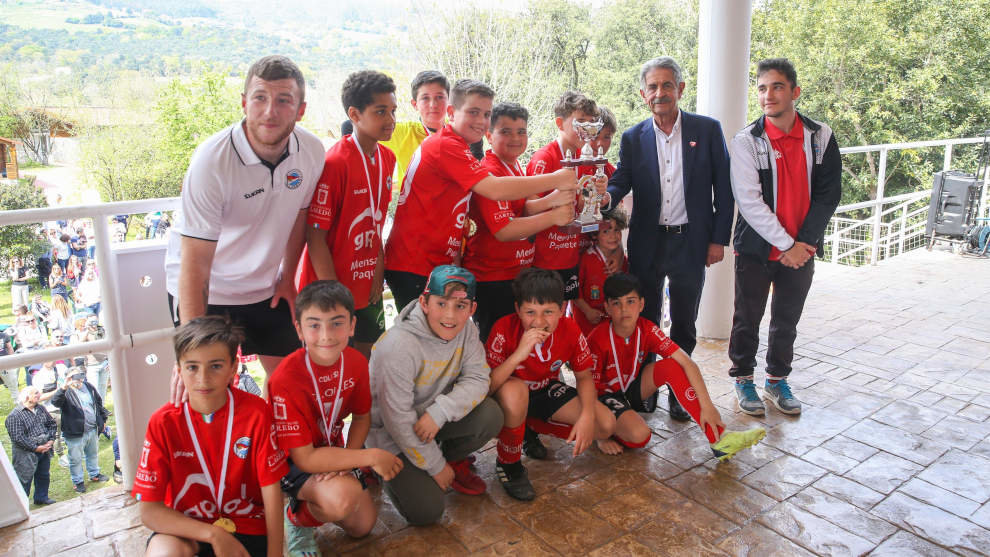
(123,163)
(20,240)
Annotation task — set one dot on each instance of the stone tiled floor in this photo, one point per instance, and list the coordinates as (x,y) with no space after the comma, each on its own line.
(890,457)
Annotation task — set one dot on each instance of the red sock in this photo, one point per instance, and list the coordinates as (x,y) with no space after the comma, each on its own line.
(669,372)
(510,441)
(559,430)
(302,517)
(630,445)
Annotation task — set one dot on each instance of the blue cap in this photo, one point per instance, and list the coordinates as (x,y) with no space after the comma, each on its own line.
(443,275)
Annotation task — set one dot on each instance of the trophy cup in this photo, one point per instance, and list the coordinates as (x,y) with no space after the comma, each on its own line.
(590,217)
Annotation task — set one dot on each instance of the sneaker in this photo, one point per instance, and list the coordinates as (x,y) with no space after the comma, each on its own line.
(515,480)
(734,441)
(675,410)
(300,541)
(118,475)
(532,446)
(99,478)
(749,401)
(780,395)
(47,501)
(466,481)
(80,487)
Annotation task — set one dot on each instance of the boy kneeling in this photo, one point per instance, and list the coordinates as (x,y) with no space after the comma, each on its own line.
(208,478)
(429,380)
(620,347)
(526,351)
(312,391)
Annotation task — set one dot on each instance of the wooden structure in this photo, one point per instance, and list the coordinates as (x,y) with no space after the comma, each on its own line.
(8,159)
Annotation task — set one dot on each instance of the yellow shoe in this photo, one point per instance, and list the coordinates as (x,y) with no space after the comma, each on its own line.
(734,441)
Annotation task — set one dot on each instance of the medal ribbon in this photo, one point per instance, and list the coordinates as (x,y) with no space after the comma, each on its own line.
(376,213)
(327,425)
(222,484)
(618,368)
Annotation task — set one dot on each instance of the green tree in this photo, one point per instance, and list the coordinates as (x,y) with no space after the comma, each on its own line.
(20,240)
(123,163)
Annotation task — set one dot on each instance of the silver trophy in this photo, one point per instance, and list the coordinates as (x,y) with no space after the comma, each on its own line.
(590,217)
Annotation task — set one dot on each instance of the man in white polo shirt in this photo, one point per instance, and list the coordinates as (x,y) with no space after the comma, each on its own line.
(240,229)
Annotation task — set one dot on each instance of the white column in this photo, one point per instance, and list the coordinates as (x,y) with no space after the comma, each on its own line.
(723,89)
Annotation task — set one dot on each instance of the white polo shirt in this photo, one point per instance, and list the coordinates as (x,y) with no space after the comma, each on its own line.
(231,197)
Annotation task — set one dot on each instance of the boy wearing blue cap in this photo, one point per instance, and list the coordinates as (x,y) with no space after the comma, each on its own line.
(429,381)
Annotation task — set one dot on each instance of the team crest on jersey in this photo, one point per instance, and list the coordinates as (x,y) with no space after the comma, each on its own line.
(596,292)
(241,447)
(539,167)
(556,365)
(293,178)
(499,343)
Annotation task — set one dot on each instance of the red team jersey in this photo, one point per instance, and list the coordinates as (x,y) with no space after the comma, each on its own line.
(433,204)
(554,248)
(341,206)
(591,279)
(298,421)
(487,257)
(652,340)
(169,470)
(565,344)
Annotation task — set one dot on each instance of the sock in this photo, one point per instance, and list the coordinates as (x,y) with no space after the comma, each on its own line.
(630,445)
(302,517)
(744,379)
(669,372)
(510,441)
(773,380)
(561,431)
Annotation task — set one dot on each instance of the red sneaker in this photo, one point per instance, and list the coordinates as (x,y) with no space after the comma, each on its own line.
(466,481)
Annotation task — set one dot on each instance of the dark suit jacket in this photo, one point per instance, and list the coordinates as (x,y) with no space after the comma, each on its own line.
(707,190)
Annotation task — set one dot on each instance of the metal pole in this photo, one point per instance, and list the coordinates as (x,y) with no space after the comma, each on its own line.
(903,220)
(947,158)
(878,207)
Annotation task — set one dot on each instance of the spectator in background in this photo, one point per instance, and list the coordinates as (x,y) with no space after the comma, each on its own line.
(60,248)
(32,435)
(58,284)
(42,313)
(9,376)
(18,285)
(48,378)
(73,271)
(83,418)
(29,336)
(90,234)
(151,223)
(43,265)
(88,292)
(78,246)
(60,321)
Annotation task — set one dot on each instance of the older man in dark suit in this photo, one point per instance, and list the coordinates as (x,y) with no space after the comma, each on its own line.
(677,166)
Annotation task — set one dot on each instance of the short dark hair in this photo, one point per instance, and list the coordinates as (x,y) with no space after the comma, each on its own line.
(360,88)
(465,87)
(782,65)
(620,284)
(571,101)
(206,330)
(540,286)
(324,294)
(608,119)
(514,111)
(274,68)
(619,217)
(429,76)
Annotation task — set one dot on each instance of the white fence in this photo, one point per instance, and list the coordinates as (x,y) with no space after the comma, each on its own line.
(896,224)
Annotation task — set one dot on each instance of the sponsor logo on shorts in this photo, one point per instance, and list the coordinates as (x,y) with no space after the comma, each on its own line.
(241,447)
(293,178)
(557,391)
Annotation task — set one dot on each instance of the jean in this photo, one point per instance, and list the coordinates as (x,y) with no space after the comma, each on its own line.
(19,296)
(9,377)
(87,446)
(98,375)
(42,477)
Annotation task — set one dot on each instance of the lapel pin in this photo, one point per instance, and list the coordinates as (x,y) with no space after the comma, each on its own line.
(692,143)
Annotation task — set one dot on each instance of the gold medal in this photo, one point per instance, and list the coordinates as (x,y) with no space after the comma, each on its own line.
(225,523)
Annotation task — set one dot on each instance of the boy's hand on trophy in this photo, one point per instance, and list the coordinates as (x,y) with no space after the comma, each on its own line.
(566,179)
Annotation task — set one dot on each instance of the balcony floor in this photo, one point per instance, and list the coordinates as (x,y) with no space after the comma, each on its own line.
(891,454)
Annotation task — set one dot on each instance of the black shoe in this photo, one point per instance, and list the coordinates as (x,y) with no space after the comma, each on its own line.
(676,412)
(515,480)
(47,501)
(532,446)
(99,478)
(118,475)
(80,487)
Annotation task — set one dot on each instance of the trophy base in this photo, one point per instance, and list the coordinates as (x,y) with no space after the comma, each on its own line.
(578,226)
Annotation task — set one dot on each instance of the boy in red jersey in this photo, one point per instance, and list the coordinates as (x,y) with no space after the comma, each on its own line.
(526,351)
(312,392)
(620,348)
(343,238)
(434,199)
(605,254)
(208,478)
(555,249)
(499,247)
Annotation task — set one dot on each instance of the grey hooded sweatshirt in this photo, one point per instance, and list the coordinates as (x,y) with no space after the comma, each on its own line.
(414,371)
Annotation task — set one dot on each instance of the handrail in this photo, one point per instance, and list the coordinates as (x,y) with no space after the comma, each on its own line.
(909,145)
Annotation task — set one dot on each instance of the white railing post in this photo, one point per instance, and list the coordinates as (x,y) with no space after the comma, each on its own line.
(878,207)
(947,158)
(903,221)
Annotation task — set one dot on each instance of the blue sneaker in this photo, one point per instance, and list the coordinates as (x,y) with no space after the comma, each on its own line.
(780,395)
(749,400)
(300,541)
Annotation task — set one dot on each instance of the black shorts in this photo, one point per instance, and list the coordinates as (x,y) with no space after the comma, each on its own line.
(256,546)
(267,331)
(544,403)
(572,289)
(405,287)
(293,481)
(495,301)
(370,323)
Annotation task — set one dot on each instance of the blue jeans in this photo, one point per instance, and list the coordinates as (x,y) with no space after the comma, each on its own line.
(98,375)
(42,477)
(87,445)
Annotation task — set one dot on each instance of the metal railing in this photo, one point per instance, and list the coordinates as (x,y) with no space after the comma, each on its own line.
(896,224)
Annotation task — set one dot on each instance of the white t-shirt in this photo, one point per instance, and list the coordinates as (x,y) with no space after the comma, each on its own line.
(231,197)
